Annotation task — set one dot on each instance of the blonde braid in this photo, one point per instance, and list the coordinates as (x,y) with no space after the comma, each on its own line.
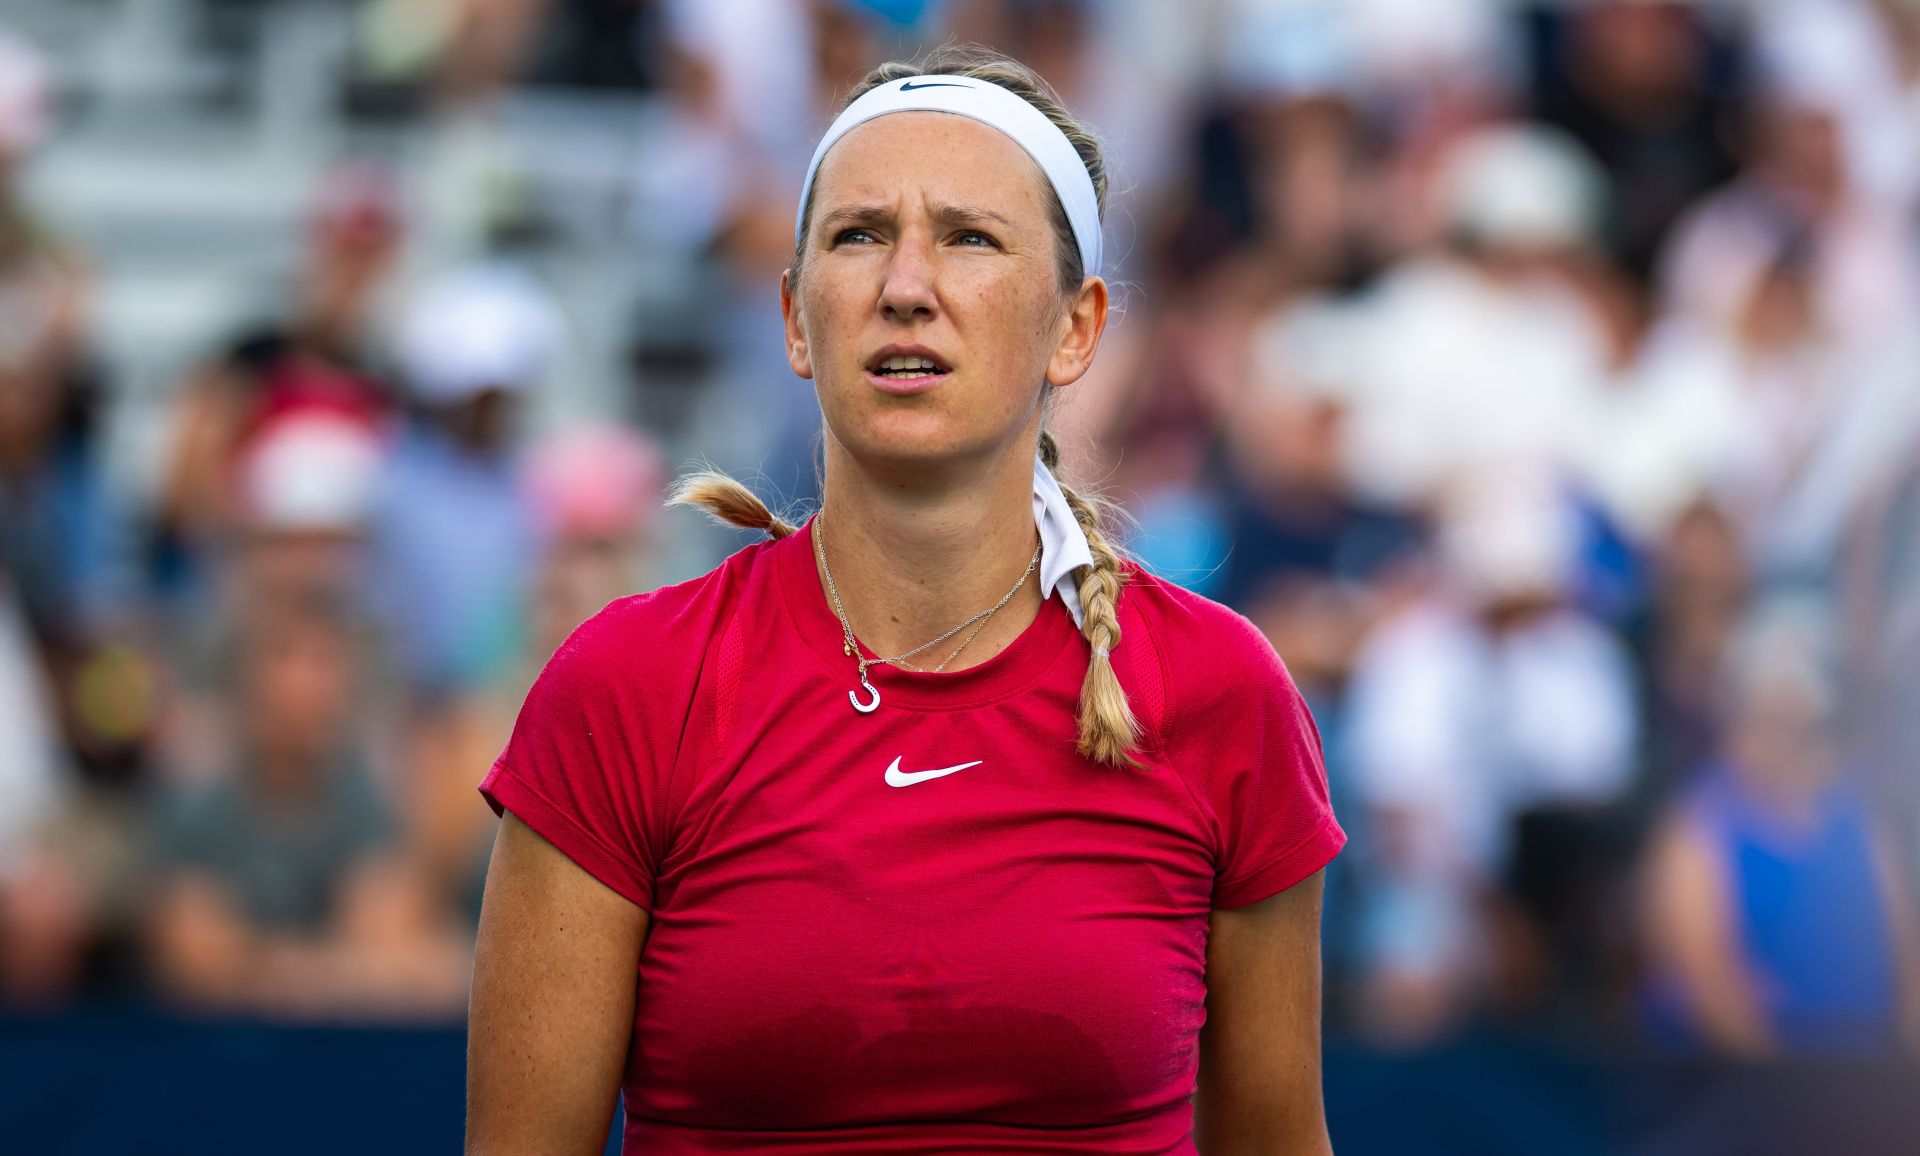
(1108,728)
(728,502)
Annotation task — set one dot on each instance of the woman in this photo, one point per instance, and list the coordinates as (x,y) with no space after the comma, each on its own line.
(979,894)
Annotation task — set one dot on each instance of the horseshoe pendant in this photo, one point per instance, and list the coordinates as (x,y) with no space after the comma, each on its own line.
(864,707)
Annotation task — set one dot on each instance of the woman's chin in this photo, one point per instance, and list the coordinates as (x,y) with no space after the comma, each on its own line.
(929,442)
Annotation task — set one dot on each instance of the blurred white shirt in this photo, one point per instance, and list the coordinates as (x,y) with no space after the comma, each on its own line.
(1463,729)
(1455,370)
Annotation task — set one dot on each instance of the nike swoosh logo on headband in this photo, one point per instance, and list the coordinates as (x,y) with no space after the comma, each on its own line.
(909,86)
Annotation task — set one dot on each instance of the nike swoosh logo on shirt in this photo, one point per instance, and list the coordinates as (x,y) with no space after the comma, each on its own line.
(899,778)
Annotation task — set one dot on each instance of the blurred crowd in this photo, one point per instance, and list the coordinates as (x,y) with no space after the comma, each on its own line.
(1542,377)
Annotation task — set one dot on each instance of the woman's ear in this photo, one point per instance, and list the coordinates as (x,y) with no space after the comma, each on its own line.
(797,355)
(1080,334)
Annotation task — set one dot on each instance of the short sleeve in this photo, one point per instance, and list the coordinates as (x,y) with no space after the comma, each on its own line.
(590,755)
(1244,735)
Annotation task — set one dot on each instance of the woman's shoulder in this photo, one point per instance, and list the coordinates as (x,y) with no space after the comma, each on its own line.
(1210,655)
(1192,629)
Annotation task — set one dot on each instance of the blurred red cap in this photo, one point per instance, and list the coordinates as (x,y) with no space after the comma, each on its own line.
(596,481)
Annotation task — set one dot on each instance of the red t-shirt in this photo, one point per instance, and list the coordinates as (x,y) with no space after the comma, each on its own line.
(1009,957)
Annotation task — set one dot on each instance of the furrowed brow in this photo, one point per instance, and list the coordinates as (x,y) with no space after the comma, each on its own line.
(854,215)
(961,215)
(953,216)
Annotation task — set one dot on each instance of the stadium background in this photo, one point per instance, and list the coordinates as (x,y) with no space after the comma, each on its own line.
(1540,376)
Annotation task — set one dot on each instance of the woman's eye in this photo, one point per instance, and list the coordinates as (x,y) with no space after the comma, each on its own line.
(970,236)
(846,234)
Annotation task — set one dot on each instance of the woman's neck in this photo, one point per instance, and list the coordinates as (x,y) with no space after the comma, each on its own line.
(911,563)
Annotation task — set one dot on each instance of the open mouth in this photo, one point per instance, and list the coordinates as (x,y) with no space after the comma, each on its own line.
(907,367)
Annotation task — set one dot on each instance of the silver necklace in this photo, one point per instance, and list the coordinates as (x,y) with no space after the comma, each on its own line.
(852,647)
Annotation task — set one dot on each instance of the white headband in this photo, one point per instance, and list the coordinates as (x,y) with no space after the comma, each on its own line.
(992,105)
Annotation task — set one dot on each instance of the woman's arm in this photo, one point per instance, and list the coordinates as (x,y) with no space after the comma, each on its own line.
(552,1009)
(1259,1087)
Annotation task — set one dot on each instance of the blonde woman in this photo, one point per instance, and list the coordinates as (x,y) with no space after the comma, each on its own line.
(932,824)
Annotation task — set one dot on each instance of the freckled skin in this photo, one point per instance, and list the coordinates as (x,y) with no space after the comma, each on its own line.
(983,294)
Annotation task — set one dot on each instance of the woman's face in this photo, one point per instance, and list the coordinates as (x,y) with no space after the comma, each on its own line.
(931,230)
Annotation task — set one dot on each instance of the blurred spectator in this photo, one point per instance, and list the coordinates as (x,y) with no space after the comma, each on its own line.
(312,363)
(453,52)
(1490,351)
(1645,87)
(77,699)
(1279,201)
(455,544)
(1163,417)
(1702,582)
(1759,394)
(45,909)
(279,889)
(1490,726)
(1785,418)
(54,531)
(1799,180)
(593,492)
(302,496)
(453,530)
(305,491)
(602,44)
(1775,919)
(1878,601)
(1305,547)
(56,525)
(1279,180)
(1861,59)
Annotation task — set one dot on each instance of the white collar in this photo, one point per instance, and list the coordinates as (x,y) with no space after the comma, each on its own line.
(1063,544)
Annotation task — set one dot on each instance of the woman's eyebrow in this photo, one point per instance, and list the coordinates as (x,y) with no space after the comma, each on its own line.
(855,215)
(950,215)
(968,215)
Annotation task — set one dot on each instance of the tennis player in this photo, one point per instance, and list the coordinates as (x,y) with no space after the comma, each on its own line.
(932,824)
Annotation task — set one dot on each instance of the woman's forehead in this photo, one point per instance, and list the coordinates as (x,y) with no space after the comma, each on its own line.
(934,157)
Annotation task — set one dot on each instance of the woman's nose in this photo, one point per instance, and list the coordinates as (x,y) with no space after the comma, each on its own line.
(908,290)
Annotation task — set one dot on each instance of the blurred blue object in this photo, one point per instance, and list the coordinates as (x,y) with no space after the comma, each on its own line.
(1183,538)
(111,1079)
(1613,581)
(207,1089)
(1810,916)
(900,13)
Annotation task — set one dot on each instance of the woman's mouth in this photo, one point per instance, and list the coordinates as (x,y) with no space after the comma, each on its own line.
(907,374)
